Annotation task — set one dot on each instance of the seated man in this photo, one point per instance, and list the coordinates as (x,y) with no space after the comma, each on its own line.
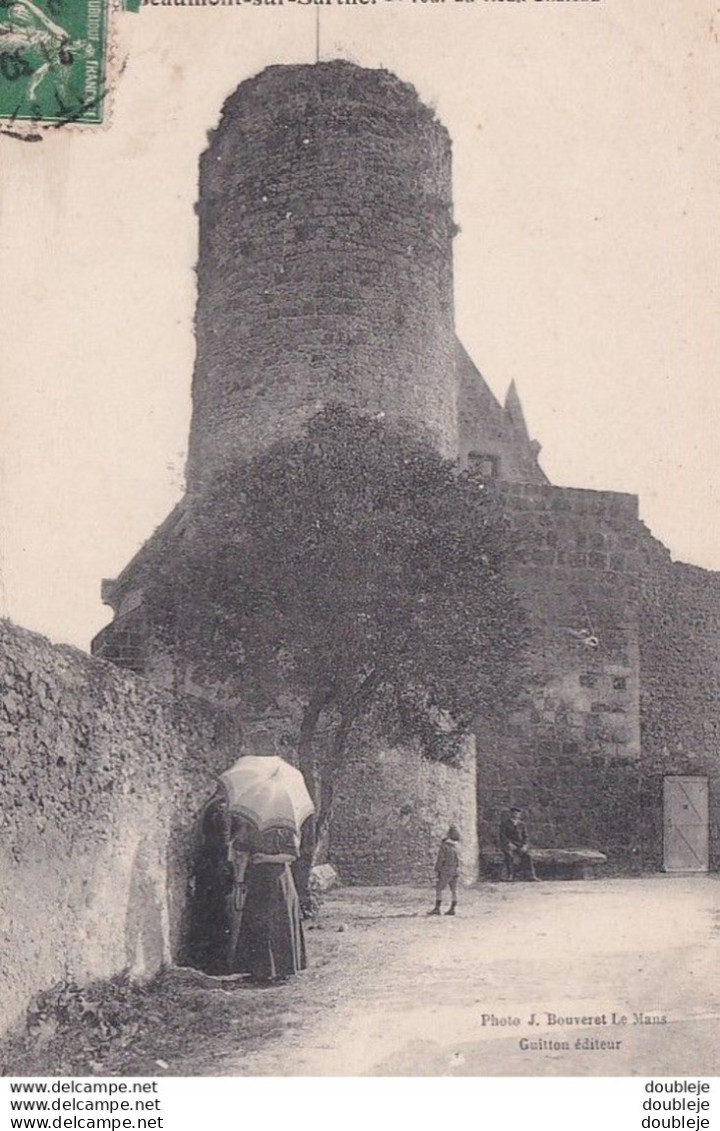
(515,847)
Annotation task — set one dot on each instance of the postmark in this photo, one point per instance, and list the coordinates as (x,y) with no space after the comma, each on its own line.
(53,64)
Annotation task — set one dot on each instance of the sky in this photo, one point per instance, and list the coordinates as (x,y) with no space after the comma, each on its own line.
(586,156)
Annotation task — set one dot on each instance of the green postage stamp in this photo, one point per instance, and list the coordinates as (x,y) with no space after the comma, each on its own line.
(53,62)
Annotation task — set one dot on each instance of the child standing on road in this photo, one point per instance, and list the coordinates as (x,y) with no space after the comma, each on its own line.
(447,870)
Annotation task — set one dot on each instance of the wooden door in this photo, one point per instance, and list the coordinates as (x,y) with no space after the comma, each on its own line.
(685,807)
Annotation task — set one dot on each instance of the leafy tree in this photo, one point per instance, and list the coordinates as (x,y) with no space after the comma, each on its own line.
(353,568)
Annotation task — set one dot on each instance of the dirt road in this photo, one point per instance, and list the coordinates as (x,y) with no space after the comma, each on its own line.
(406,995)
(528,979)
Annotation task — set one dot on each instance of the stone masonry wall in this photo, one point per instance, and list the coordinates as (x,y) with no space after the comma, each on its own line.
(325,268)
(569,750)
(597,728)
(102,778)
(680,696)
(393,807)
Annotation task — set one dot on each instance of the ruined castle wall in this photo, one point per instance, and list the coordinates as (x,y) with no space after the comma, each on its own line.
(391,810)
(102,777)
(680,696)
(569,750)
(325,267)
(590,740)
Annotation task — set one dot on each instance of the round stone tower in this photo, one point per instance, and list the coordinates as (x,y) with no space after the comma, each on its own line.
(325,265)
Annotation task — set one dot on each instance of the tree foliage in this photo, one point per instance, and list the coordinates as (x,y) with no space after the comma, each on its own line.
(353,568)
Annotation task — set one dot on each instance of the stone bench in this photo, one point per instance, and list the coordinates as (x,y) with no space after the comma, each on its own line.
(551,863)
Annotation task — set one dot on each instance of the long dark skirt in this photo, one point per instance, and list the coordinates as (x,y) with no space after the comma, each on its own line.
(210,924)
(209,928)
(270,943)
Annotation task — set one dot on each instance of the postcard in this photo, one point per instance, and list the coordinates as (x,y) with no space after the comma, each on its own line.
(359,540)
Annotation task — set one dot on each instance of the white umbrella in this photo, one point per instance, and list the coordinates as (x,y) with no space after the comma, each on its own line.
(268,792)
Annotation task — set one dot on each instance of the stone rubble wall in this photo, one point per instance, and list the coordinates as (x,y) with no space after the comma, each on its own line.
(680,691)
(563,752)
(102,779)
(587,746)
(393,807)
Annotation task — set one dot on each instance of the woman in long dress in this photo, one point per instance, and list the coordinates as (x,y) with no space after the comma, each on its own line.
(267,942)
(213,883)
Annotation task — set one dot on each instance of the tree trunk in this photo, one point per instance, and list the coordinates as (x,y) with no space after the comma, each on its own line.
(324,814)
(321,779)
(308,766)
(306,744)
(324,819)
